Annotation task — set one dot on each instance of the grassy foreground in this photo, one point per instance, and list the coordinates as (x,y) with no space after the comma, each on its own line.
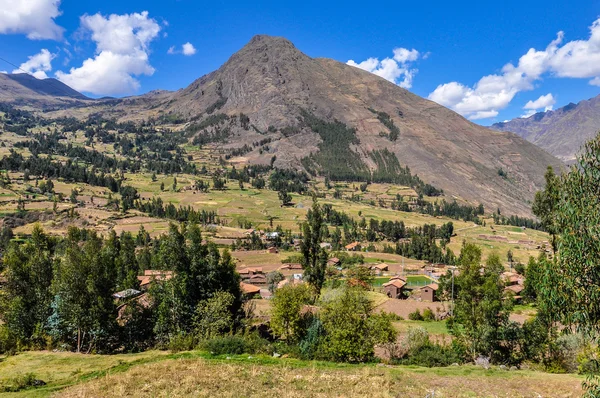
(159,374)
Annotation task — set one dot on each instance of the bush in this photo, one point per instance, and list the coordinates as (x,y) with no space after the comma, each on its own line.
(415,315)
(182,342)
(8,343)
(428,315)
(415,339)
(21,382)
(236,345)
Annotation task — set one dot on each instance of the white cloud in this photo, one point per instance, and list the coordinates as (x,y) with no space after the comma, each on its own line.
(37,64)
(575,59)
(34,18)
(122,47)
(396,69)
(188,49)
(545,101)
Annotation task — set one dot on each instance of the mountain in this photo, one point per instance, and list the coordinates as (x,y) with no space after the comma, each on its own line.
(321,115)
(24,89)
(561,132)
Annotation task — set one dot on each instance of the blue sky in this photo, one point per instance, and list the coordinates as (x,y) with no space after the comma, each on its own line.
(116,48)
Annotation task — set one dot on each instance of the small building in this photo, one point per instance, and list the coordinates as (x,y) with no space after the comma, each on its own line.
(428,292)
(334,261)
(394,288)
(151,275)
(271,235)
(257,279)
(272,250)
(325,245)
(514,291)
(249,272)
(142,301)
(380,268)
(125,294)
(290,266)
(353,247)
(249,290)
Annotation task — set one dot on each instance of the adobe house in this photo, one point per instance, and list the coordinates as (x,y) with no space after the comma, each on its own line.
(353,247)
(290,266)
(334,261)
(151,275)
(246,273)
(257,279)
(380,268)
(428,292)
(249,290)
(394,288)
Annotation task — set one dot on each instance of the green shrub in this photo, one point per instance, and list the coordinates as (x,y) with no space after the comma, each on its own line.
(182,342)
(415,315)
(428,315)
(21,382)
(8,343)
(236,345)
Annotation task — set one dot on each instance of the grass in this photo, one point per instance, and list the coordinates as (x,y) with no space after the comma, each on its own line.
(199,374)
(432,327)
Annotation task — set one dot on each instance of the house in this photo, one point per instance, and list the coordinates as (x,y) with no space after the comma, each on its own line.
(257,279)
(325,245)
(380,268)
(290,266)
(394,288)
(272,250)
(514,291)
(153,275)
(125,294)
(143,300)
(271,235)
(353,247)
(249,272)
(428,292)
(334,261)
(249,290)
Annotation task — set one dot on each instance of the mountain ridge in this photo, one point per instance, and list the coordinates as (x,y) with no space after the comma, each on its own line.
(561,132)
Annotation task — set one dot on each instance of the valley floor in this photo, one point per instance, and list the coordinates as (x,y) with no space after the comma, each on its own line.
(160,374)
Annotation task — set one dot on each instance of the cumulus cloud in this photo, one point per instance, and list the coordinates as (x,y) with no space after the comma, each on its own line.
(396,69)
(575,59)
(37,64)
(34,18)
(122,48)
(545,101)
(186,49)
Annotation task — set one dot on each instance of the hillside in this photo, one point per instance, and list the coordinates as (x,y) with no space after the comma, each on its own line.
(561,132)
(23,89)
(285,95)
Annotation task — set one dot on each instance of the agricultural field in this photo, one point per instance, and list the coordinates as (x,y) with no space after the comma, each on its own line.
(157,373)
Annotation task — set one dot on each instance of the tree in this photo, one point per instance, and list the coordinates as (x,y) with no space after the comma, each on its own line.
(285,198)
(287,319)
(314,258)
(162,186)
(545,205)
(273,278)
(174,183)
(351,327)
(213,316)
(84,310)
(570,207)
(26,302)
(480,311)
